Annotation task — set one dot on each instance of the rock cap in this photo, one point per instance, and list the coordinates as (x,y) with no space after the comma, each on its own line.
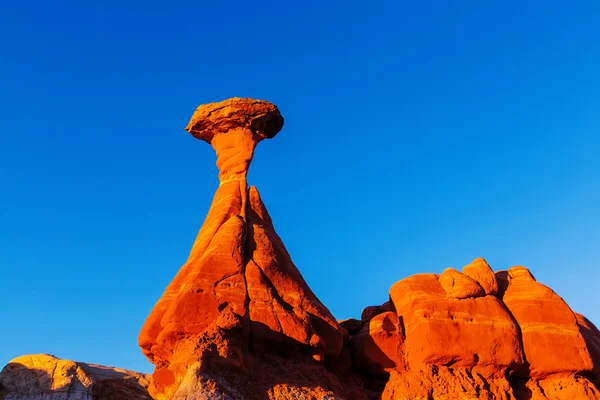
(261,117)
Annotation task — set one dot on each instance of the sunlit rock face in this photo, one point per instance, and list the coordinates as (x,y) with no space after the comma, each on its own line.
(44,377)
(239,322)
(239,296)
(515,340)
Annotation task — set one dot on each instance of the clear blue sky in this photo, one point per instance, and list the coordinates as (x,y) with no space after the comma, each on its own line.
(418,136)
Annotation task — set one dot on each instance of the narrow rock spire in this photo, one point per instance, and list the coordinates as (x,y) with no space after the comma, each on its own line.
(239,296)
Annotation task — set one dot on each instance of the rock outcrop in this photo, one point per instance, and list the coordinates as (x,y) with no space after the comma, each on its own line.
(45,377)
(238,321)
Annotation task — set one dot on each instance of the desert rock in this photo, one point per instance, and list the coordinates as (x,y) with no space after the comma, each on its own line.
(482,273)
(238,267)
(551,337)
(459,286)
(45,377)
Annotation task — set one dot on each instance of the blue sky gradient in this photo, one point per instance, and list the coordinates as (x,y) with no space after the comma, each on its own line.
(418,136)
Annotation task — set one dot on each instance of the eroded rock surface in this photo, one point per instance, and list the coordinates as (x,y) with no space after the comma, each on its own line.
(45,377)
(239,296)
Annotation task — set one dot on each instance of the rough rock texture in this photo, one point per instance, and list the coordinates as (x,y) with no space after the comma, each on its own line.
(475,340)
(239,295)
(45,377)
(444,383)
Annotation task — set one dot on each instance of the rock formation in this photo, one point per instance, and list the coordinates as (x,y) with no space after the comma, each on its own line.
(239,296)
(239,311)
(238,321)
(44,377)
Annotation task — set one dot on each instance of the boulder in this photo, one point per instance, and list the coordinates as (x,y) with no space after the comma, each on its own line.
(480,272)
(459,286)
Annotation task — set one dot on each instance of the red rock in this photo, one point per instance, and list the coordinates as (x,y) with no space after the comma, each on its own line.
(460,286)
(239,294)
(42,376)
(551,338)
(480,271)
(375,347)
(557,388)
(470,336)
(443,383)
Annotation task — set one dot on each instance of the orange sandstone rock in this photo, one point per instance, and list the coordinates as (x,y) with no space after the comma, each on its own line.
(474,340)
(375,347)
(459,286)
(476,333)
(444,383)
(480,272)
(239,294)
(551,338)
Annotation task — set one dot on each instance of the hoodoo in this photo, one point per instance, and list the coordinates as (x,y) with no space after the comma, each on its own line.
(239,296)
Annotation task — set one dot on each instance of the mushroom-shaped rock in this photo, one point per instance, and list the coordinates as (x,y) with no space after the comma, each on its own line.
(480,271)
(459,286)
(239,296)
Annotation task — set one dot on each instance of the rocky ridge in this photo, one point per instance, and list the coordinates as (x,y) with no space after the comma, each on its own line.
(238,321)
